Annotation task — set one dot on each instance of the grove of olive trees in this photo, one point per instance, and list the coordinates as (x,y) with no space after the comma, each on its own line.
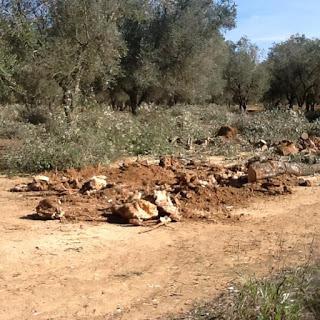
(63,53)
(294,67)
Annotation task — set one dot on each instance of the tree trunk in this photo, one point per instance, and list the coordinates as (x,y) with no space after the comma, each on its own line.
(300,103)
(67,102)
(77,90)
(243,106)
(133,101)
(262,170)
(290,99)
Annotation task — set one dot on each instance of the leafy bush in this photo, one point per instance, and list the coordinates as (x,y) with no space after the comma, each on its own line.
(34,115)
(100,135)
(10,125)
(273,125)
(97,134)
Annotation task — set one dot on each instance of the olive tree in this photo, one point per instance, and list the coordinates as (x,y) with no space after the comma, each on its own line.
(294,67)
(246,78)
(175,51)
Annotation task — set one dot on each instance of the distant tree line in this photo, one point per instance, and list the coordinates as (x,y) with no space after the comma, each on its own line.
(66,52)
(294,69)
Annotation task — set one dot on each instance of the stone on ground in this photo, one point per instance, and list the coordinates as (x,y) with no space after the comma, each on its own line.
(49,209)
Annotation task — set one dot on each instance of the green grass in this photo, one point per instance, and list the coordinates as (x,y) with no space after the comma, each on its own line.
(292,295)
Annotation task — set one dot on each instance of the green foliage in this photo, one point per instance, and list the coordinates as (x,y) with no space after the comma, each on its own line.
(273,125)
(66,52)
(246,78)
(11,126)
(96,136)
(294,66)
(292,295)
(99,135)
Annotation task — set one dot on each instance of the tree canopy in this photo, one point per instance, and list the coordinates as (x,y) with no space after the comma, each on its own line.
(294,66)
(147,50)
(62,53)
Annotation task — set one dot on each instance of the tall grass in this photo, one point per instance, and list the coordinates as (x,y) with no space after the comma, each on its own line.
(291,295)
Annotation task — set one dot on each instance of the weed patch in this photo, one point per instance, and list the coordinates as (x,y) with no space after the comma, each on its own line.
(292,295)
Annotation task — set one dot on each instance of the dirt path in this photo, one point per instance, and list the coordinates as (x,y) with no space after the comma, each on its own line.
(54,271)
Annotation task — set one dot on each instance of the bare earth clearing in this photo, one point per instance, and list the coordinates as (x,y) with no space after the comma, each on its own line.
(51,270)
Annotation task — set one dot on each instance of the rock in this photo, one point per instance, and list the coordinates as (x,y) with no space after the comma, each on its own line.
(96,183)
(149,162)
(225,176)
(59,187)
(165,205)
(20,188)
(262,145)
(203,183)
(133,196)
(140,210)
(39,183)
(213,180)
(165,220)
(49,210)
(38,186)
(74,184)
(304,183)
(166,162)
(227,132)
(186,194)
(287,148)
(41,179)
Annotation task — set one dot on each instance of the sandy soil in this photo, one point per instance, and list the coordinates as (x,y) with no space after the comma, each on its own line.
(50,270)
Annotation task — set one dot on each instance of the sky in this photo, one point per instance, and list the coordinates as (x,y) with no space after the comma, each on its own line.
(265,22)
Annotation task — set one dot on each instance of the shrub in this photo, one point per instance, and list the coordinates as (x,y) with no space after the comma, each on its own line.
(10,125)
(34,115)
(97,134)
(274,125)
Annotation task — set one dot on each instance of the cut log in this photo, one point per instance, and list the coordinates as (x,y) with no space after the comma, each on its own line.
(262,170)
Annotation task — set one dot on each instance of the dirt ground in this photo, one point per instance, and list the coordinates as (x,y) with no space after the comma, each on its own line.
(50,270)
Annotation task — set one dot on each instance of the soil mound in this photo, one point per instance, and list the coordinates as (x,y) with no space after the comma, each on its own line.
(197,189)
